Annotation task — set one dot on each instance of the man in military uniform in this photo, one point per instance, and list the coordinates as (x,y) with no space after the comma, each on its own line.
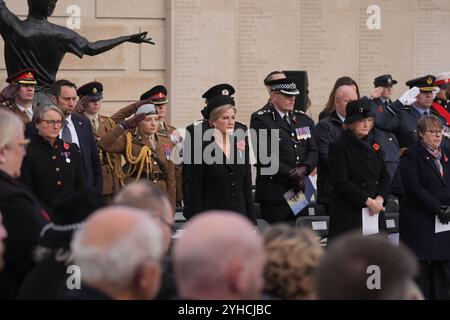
(380,105)
(415,103)
(147,153)
(89,105)
(194,139)
(297,151)
(21,93)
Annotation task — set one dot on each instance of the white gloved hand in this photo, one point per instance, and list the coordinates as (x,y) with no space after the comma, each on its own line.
(410,96)
(435,92)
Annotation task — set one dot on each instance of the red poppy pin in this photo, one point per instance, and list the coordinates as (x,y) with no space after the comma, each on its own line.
(241,145)
(66,146)
(294,119)
(376,146)
(445,158)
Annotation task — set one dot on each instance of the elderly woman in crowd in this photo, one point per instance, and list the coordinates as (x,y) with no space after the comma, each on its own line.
(147,153)
(51,166)
(358,171)
(425,173)
(23,216)
(224,180)
(292,256)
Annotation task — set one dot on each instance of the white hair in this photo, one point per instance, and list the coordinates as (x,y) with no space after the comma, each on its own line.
(117,264)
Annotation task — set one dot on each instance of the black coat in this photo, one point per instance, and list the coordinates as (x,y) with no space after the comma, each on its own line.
(47,173)
(293,151)
(223,185)
(358,172)
(89,152)
(23,218)
(325,133)
(425,192)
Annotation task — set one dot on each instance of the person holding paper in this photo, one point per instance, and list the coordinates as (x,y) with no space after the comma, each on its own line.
(358,172)
(424,208)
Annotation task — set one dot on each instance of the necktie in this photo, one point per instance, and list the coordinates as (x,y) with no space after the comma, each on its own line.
(66,135)
(152,141)
(286,118)
(94,124)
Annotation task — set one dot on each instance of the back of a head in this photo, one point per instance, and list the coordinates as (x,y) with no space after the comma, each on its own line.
(292,258)
(365,268)
(114,243)
(342,81)
(214,245)
(10,125)
(43,8)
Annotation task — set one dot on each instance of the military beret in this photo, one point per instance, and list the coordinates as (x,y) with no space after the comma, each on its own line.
(146,109)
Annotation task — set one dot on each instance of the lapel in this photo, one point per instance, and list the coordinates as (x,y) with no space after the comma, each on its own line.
(78,124)
(430,161)
(415,113)
(361,156)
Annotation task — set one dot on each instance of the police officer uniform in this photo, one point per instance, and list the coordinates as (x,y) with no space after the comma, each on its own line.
(147,157)
(25,77)
(297,148)
(194,140)
(388,140)
(110,162)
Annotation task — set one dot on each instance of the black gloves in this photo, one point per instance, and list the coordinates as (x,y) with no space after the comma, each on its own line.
(296,178)
(444,215)
(132,122)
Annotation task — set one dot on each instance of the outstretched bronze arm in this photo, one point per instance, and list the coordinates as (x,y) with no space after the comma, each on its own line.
(101,46)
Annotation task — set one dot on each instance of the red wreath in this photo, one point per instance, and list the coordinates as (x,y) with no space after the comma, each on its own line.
(376,146)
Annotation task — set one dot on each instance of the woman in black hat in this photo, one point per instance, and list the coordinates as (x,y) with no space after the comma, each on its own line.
(222,180)
(358,171)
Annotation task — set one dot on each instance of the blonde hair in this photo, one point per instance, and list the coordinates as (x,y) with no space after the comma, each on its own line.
(292,257)
(10,125)
(215,114)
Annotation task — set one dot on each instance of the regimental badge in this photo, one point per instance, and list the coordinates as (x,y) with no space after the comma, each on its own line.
(225,92)
(94,91)
(303,133)
(430,80)
(168,151)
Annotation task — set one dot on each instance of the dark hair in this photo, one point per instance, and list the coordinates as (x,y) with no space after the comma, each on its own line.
(343,81)
(269,77)
(56,87)
(344,271)
(426,122)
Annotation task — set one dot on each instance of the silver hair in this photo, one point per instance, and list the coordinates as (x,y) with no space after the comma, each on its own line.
(117,264)
(10,125)
(39,114)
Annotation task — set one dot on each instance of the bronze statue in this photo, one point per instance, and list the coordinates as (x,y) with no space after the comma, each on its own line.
(40,45)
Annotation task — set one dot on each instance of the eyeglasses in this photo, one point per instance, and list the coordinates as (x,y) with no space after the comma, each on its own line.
(52,123)
(435,132)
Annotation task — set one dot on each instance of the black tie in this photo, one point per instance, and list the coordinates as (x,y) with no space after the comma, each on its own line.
(286,118)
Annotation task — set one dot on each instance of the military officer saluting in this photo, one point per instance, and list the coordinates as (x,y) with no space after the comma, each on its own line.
(89,105)
(414,104)
(147,153)
(443,83)
(20,93)
(297,152)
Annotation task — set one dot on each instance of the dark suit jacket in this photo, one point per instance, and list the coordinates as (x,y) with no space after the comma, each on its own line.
(358,172)
(223,185)
(302,152)
(89,151)
(23,218)
(425,191)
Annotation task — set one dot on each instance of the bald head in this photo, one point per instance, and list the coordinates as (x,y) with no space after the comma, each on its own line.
(344,95)
(113,247)
(214,257)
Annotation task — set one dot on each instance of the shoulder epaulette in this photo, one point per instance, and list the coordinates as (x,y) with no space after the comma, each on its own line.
(263,112)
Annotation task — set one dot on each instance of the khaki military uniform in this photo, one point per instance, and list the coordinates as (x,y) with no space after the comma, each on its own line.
(110,162)
(158,168)
(167,130)
(15,109)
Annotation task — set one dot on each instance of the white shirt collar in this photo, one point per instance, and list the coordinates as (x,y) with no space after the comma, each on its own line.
(340,117)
